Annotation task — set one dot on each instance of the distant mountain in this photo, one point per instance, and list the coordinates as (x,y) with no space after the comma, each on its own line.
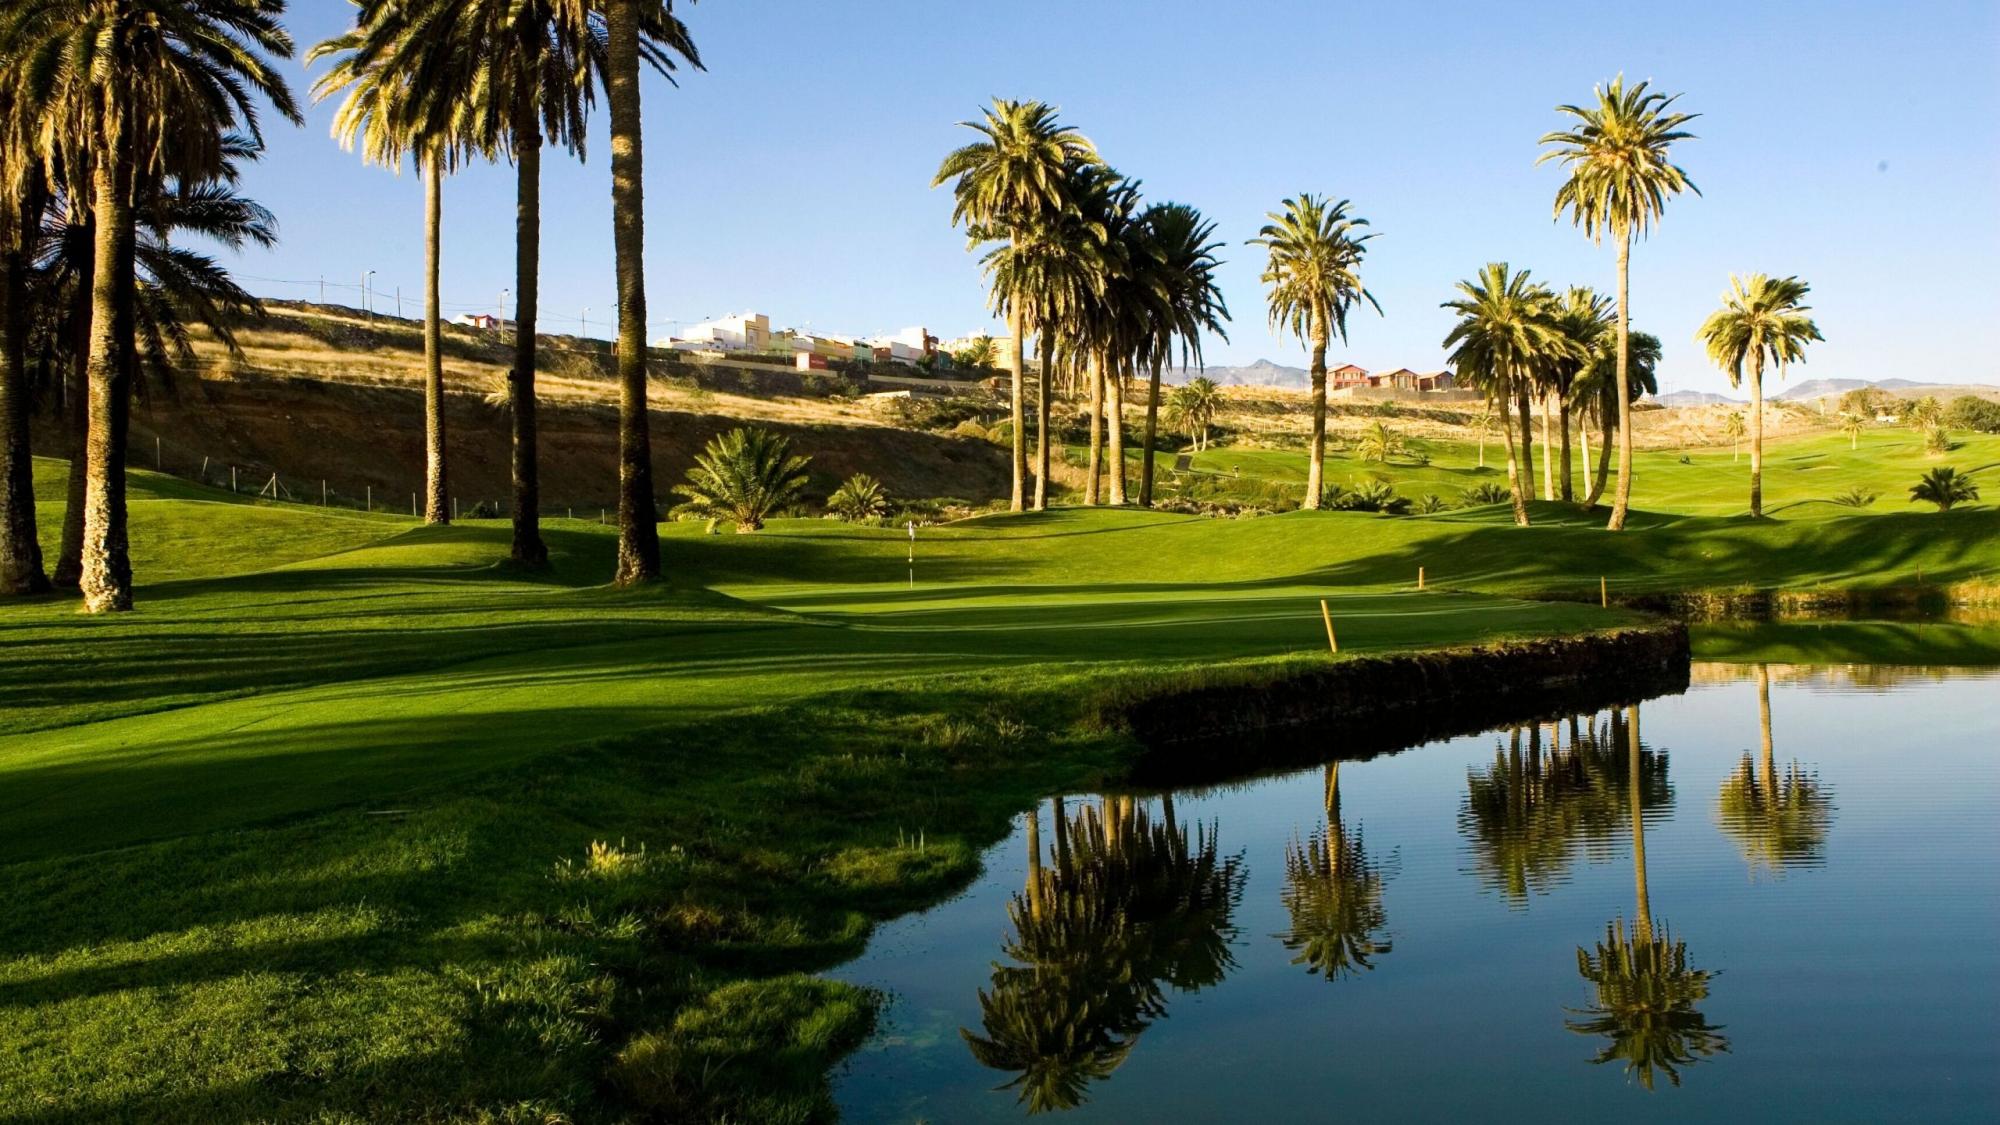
(1696,398)
(1906,388)
(1262,373)
(1821,388)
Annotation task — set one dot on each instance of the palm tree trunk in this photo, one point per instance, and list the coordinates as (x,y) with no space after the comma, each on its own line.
(1527,423)
(1152,434)
(1091,490)
(1034,888)
(107,564)
(1568,468)
(529,550)
(437,491)
(1548,450)
(1623,501)
(1048,354)
(1757,434)
(20,541)
(76,407)
(1316,449)
(1115,422)
(1645,908)
(1590,486)
(1603,480)
(1514,487)
(1015,362)
(638,520)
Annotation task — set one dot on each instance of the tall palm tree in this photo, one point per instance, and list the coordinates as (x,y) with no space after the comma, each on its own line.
(1313,272)
(1584,319)
(1734,428)
(21,193)
(176,287)
(638,519)
(1620,177)
(1761,318)
(1004,184)
(1596,392)
(1506,326)
(1193,305)
(124,92)
(1191,409)
(534,68)
(404,78)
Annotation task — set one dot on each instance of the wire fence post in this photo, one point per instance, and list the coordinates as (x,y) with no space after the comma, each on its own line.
(371,497)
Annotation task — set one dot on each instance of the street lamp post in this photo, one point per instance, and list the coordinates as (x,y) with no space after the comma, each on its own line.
(367,303)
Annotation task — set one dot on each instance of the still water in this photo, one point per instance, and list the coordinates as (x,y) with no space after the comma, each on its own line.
(1776,895)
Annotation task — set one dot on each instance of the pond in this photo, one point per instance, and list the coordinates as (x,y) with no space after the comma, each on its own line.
(1776,894)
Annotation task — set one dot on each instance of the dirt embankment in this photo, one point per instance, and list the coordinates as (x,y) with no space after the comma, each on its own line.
(316,395)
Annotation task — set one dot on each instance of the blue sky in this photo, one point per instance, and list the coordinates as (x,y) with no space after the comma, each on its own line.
(1854,144)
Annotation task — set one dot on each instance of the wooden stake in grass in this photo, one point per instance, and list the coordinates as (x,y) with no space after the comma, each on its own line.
(1326,615)
(1603,592)
(1420,578)
(371,497)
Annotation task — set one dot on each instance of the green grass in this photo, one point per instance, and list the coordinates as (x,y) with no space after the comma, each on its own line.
(306,837)
(1801,475)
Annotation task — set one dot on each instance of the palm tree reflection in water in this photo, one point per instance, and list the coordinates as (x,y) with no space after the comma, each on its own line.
(1645,991)
(1129,907)
(1334,896)
(1779,822)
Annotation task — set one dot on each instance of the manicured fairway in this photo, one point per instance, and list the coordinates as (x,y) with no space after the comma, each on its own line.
(308,835)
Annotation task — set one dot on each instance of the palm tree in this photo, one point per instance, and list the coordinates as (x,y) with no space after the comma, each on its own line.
(638,520)
(21,193)
(535,67)
(1761,317)
(1946,487)
(1193,305)
(859,499)
(1926,413)
(1004,185)
(1852,425)
(1584,319)
(1313,271)
(1646,991)
(1506,325)
(1778,821)
(1619,181)
(1733,429)
(175,287)
(1191,409)
(405,80)
(744,476)
(1379,443)
(1597,391)
(167,82)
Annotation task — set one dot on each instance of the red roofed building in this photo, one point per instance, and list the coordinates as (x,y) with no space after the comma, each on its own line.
(1348,375)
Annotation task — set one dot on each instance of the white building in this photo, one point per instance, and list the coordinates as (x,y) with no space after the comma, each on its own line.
(910,345)
(746,332)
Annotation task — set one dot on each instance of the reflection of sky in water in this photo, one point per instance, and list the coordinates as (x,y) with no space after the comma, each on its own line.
(1858,983)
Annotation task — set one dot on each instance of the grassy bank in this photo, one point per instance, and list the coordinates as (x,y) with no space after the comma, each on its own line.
(311,835)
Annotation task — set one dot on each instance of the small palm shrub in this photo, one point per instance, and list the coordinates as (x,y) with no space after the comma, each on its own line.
(1375,496)
(1937,439)
(1946,487)
(1431,504)
(1379,443)
(1487,492)
(1855,498)
(743,476)
(859,499)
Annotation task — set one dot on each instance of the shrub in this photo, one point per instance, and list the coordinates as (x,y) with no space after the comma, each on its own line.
(743,476)
(1375,496)
(860,499)
(1431,503)
(1970,412)
(1946,487)
(1937,439)
(1855,498)
(1487,492)
(970,428)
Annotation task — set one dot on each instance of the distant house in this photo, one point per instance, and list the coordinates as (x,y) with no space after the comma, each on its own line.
(1401,379)
(480,320)
(1348,375)
(745,332)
